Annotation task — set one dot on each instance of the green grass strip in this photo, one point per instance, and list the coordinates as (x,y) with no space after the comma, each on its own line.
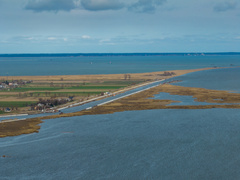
(16,103)
(95,87)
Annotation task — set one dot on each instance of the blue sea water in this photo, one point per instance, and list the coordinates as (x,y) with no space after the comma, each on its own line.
(20,66)
(226,79)
(154,144)
(219,79)
(151,144)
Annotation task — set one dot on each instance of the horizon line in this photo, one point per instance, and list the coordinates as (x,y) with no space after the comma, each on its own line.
(119,54)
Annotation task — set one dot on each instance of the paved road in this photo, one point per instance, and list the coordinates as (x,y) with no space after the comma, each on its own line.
(92,103)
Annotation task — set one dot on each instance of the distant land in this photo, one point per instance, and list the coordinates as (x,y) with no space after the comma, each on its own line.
(118,54)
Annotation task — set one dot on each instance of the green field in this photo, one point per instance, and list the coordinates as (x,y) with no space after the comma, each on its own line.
(16,103)
(33,91)
(47,94)
(95,87)
(26,89)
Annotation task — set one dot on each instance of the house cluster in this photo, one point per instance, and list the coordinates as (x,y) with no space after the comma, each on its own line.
(4,85)
(8,109)
(47,105)
(13,84)
(105,93)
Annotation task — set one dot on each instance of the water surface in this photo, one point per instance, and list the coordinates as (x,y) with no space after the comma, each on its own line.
(151,144)
(31,66)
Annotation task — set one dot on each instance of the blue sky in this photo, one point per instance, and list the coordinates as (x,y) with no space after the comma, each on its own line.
(112,26)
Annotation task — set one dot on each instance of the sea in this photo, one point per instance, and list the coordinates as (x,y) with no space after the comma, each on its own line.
(150,144)
(75,65)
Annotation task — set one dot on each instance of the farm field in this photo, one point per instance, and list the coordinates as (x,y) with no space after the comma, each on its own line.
(20,98)
(77,88)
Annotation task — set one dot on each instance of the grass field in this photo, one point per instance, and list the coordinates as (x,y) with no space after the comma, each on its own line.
(61,94)
(28,94)
(47,88)
(16,103)
(79,86)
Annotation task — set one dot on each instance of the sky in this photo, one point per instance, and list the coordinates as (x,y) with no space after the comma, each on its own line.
(119,26)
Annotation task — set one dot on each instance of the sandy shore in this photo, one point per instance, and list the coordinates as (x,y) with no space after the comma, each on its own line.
(76,78)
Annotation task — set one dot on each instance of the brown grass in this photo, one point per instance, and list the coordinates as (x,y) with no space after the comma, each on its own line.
(19,127)
(139,101)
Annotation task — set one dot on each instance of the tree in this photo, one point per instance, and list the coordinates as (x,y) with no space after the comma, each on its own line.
(125,76)
(71,98)
(129,76)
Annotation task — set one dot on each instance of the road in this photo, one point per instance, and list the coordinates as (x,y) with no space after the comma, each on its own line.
(91,102)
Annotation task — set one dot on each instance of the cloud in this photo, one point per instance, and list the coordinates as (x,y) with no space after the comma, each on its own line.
(146,6)
(100,5)
(51,38)
(225,6)
(50,5)
(86,37)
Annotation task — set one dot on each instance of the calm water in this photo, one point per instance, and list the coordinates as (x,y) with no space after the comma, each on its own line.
(151,144)
(155,144)
(219,79)
(19,66)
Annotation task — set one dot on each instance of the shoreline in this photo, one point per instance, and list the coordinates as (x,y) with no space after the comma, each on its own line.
(139,101)
(97,79)
(135,76)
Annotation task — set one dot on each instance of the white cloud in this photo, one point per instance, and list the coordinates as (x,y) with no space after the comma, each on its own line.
(51,38)
(104,40)
(145,6)
(29,38)
(86,37)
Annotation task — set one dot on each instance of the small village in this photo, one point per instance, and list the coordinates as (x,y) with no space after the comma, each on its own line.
(13,84)
(47,105)
(43,105)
